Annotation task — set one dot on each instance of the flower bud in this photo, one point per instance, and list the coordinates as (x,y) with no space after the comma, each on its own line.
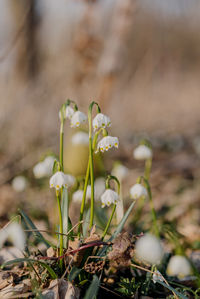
(178,266)
(142,152)
(149,249)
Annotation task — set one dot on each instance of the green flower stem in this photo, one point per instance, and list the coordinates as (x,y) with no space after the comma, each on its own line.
(61,226)
(153,212)
(109,178)
(83,200)
(61,142)
(109,221)
(147,171)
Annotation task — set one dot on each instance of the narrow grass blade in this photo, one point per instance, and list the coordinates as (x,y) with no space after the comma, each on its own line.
(21,260)
(172,289)
(32,226)
(122,222)
(118,229)
(74,273)
(93,288)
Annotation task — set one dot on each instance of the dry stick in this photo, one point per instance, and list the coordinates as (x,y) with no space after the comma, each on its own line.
(88,245)
(147,270)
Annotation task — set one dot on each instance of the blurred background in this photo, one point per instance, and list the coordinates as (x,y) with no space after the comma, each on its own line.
(139,59)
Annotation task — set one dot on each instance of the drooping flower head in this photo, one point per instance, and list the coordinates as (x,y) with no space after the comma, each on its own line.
(106,143)
(109,197)
(137,191)
(77,119)
(59,180)
(178,266)
(142,152)
(101,121)
(80,138)
(69,112)
(19,183)
(44,168)
(149,249)
(78,195)
(14,233)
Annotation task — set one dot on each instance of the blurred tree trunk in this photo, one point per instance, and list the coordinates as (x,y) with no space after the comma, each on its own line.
(24,15)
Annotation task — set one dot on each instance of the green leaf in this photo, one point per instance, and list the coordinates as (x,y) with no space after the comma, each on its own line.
(74,273)
(122,222)
(86,222)
(32,226)
(21,260)
(93,288)
(172,289)
(118,229)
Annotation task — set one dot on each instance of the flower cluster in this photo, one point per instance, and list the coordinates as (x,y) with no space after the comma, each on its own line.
(106,143)
(109,197)
(59,180)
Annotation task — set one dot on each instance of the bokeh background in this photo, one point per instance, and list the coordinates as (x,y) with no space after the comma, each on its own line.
(140,59)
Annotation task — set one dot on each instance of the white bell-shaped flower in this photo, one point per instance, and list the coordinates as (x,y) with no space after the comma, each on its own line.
(39,170)
(120,171)
(142,152)
(106,143)
(149,249)
(178,266)
(137,191)
(44,168)
(101,121)
(14,233)
(109,197)
(157,276)
(48,163)
(80,138)
(78,195)
(59,180)
(19,183)
(77,119)
(69,112)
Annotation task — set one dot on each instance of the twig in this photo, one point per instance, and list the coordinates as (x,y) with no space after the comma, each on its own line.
(152,272)
(83,247)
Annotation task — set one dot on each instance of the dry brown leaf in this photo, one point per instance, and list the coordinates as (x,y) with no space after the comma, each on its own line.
(61,289)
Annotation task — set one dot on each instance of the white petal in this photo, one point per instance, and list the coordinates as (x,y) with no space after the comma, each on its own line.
(178,266)
(80,138)
(149,249)
(138,191)
(77,119)
(142,152)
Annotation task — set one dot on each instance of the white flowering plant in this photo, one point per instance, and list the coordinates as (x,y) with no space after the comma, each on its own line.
(86,255)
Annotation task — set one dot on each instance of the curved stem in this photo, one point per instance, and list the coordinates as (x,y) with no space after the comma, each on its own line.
(109,178)
(109,221)
(61,226)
